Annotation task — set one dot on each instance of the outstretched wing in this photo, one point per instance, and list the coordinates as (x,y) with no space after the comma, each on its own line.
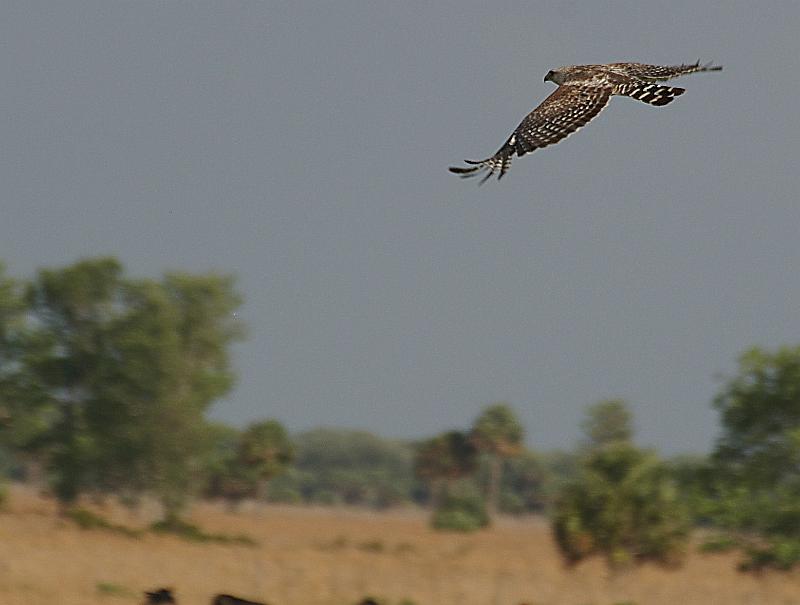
(559,115)
(655,73)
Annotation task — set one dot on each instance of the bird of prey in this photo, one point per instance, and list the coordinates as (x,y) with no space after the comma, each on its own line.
(583,91)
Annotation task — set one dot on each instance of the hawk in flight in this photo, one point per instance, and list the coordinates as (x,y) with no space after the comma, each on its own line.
(583,90)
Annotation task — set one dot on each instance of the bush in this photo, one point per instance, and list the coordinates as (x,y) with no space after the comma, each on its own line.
(285,495)
(462,509)
(623,505)
(719,543)
(455,520)
(781,554)
(764,524)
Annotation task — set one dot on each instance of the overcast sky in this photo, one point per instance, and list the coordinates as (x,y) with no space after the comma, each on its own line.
(303,146)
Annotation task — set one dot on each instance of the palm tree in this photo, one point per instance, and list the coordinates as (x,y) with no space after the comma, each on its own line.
(498,433)
(266,450)
(443,459)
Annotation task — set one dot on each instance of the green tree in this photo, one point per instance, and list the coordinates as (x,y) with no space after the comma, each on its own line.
(223,476)
(355,467)
(129,369)
(498,433)
(443,459)
(22,405)
(265,450)
(524,487)
(757,457)
(11,317)
(624,506)
(205,327)
(73,308)
(606,422)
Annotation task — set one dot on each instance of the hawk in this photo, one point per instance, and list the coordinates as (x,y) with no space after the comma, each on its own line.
(583,91)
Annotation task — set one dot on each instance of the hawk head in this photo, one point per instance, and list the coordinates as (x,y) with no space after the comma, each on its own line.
(554,76)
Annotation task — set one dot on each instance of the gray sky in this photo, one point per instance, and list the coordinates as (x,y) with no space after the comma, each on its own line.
(304,146)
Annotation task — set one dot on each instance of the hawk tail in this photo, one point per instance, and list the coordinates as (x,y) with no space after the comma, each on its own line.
(654,94)
(500,162)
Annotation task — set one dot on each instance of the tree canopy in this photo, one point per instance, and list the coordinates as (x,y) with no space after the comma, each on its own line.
(607,421)
(127,369)
(498,433)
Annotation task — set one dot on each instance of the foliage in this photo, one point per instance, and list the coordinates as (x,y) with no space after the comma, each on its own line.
(524,484)
(264,451)
(74,309)
(443,459)
(218,464)
(607,422)
(454,520)
(760,409)
(718,543)
(697,481)
(354,467)
(498,434)
(23,413)
(623,505)
(461,509)
(126,370)
(497,430)
(756,492)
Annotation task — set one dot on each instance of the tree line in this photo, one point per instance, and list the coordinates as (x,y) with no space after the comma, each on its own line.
(105,382)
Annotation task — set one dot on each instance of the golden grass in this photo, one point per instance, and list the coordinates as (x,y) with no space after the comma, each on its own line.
(311,556)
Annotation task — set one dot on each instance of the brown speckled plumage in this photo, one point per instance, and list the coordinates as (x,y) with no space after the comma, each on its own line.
(583,91)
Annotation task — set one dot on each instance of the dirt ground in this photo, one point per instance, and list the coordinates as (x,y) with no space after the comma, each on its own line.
(323,556)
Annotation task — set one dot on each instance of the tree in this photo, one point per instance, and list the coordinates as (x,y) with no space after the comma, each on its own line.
(73,308)
(224,475)
(128,368)
(22,406)
(265,450)
(11,317)
(607,422)
(757,457)
(498,433)
(524,487)
(624,506)
(444,458)
(204,325)
(356,467)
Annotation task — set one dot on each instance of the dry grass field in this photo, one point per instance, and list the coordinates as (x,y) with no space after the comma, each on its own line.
(335,557)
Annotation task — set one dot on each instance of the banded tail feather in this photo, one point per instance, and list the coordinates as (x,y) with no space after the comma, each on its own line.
(654,94)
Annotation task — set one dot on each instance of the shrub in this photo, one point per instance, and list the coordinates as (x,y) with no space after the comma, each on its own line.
(455,520)
(623,505)
(461,509)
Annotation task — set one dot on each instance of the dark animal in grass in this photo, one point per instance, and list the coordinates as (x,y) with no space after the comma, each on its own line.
(226,599)
(162,595)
